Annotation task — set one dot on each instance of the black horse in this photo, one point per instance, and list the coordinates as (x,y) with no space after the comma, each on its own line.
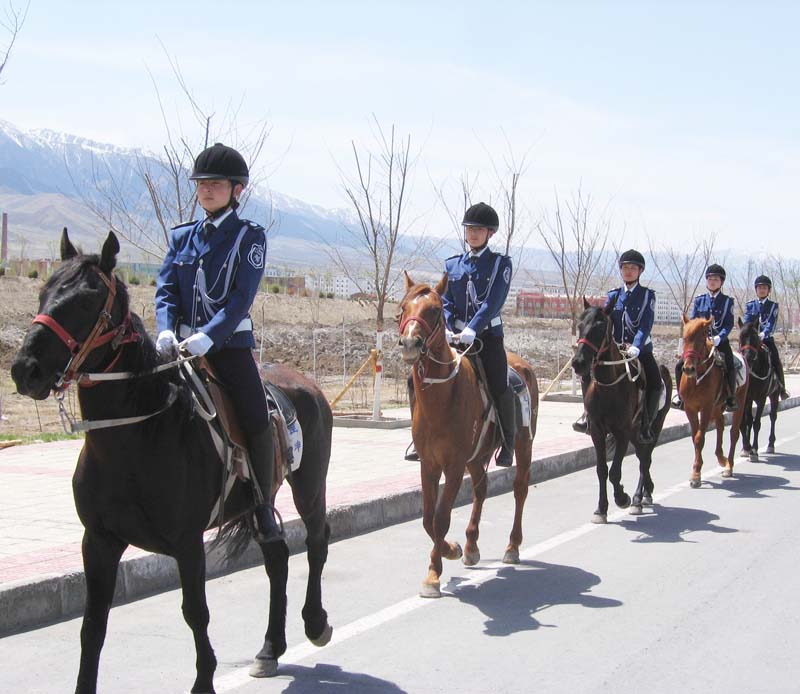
(763,384)
(611,399)
(154,483)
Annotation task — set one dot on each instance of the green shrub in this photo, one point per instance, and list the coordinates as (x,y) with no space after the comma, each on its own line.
(133,279)
(153,282)
(275,289)
(2,272)
(33,274)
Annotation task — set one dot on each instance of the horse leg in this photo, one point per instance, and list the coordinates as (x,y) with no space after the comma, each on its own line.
(719,421)
(734,434)
(599,440)
(524,456)
(773,416)
(315,618)
(746,427)
(101,555)
(472,555)
(441,524)
(756,429)
(698,425)
(621,499)
(192,570)
(645,485)
(276,562)
(430,491)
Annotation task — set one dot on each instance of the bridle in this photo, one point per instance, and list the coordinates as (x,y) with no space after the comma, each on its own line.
(424,351)
(604,346)
(757,351)
(700,361)
(98,337)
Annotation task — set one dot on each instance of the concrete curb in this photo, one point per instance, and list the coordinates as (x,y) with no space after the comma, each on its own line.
(27,604)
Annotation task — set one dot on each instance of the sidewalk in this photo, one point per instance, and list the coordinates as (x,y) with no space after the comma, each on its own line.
(369,486)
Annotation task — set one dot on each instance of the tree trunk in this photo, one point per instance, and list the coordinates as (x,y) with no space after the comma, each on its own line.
(376,403)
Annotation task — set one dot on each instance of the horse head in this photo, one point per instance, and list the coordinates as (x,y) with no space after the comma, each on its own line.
(78,308)
(697,346)
(594,335)
(421,318)
(750,344)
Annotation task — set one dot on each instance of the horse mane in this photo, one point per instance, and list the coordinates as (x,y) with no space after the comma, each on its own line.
(693,327)
(418,289)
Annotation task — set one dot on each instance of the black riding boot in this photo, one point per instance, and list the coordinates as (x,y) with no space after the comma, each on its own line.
(730,402)
(506,409)
(582,423)
(411,451)
(262,458)
(779,373)
(677,402)
(647,433)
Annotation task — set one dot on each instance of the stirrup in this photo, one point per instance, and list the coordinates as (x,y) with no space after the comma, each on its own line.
(581,425)
(677,402)
(504,457)
(274,530)
(411,453)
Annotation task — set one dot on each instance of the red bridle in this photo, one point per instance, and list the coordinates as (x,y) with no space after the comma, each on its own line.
(591,345)
(431,332)
(118,336)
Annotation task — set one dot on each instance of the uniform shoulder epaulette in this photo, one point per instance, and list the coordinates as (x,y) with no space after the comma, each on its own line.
(254,226)
(185,224)
(453,257)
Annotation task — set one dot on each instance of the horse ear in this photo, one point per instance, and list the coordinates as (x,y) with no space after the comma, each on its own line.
(67,249)
(108,256)
(409,282)
(610,305)
(708,321)
(684,319)
(586,304)
(441,286)
(741,324)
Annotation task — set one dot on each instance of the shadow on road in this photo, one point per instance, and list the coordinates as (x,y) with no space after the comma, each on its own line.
(519,592)
(790,463)
(331,678)
(746,486)
(668,524)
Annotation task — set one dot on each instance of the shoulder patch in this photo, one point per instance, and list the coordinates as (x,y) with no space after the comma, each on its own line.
(507,275)
(256,255)
(254,226)
(453,257)
(185,224)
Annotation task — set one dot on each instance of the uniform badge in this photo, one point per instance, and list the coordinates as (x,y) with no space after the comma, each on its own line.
(256,256)
(507,275)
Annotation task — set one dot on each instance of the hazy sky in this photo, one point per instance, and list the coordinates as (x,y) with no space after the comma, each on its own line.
(683,118)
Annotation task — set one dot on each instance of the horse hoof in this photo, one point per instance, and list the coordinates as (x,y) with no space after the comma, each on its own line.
(457,552)
(727,473)
(635,510)
(647,500)
(430,590)
(264,667)
(770,449)
(753,457)
(624,503)
(694,483)
(324,638)
(599,518)
(744,453)
(511,556)
(471,558)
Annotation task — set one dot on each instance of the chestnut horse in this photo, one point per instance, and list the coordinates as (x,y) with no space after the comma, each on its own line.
(702,389)
(451,432)
(763,384)
(611,399)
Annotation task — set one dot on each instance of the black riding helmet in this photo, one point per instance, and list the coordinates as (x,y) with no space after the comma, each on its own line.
(763,279)
(632,256)
(715,269)
(481,215)
(221,163)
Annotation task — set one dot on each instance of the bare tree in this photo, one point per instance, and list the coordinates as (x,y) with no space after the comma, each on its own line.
(377,192)
(156,194)
(682,270)
(11,22)
(455,210)
(576,235)
(738,283)
(786,290)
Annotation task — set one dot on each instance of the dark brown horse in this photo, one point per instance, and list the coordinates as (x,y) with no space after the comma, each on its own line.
(154,483)
(612,400)
(763,384)
(702,389)
(452,432)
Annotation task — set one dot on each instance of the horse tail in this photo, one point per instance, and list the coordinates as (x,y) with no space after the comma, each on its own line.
(235,536)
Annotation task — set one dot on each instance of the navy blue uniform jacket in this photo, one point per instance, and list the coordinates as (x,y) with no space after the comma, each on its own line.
(633,316)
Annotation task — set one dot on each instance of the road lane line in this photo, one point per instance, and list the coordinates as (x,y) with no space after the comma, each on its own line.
(239,678)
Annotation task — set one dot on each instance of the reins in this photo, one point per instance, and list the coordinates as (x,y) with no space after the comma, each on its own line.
(758,352)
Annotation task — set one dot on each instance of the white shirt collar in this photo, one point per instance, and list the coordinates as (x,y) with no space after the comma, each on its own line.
(219,220)
(473,254)
(713,295)
(631,288)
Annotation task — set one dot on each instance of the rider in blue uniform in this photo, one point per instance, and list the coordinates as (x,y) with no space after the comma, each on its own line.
(719,307)
(478,284)
(632,318)
(204,293)
(764,313)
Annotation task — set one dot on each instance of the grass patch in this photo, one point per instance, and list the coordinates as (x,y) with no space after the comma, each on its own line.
(39,438)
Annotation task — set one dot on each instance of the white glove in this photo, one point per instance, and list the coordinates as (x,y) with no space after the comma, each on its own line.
(166,343)
(197,344)
(633,351)
(449,335)
(761,335)
(716,340)
(466,336)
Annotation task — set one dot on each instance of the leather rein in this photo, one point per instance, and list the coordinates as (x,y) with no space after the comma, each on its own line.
(424,352)
(604,346)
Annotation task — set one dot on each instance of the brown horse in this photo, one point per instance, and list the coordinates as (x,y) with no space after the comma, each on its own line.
(452,431)
(702,389)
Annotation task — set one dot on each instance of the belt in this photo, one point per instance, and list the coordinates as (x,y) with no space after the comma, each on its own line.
(246,325)
(460,324)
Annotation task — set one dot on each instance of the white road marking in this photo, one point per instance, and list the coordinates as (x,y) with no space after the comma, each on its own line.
(240,677)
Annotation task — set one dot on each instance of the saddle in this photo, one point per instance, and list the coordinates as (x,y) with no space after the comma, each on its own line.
(739,366)
(212,403)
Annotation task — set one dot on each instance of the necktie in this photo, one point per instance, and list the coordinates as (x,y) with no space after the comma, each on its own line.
(208,230)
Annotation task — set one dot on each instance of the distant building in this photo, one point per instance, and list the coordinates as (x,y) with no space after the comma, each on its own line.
(542,304)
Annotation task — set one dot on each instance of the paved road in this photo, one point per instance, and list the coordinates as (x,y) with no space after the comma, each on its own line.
(698,595)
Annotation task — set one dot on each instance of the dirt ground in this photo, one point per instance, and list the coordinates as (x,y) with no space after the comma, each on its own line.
(325,338)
